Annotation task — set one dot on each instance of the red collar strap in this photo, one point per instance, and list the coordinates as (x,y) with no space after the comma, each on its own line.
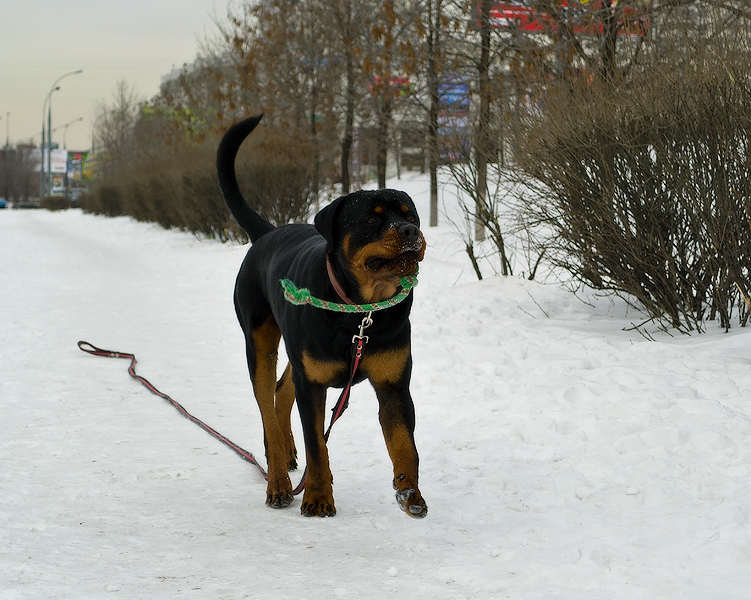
(335,282)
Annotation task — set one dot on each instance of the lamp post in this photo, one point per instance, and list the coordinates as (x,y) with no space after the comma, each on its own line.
(65,130)
(42,142)
(5,157)
(49,125)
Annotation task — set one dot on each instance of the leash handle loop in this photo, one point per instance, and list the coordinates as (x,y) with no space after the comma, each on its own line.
(91,349)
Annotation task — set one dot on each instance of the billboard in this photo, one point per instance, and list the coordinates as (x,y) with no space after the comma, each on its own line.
(77,167)
(454,94)
(581,15)
(58,161)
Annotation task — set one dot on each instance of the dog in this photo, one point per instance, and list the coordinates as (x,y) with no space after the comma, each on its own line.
(358,248)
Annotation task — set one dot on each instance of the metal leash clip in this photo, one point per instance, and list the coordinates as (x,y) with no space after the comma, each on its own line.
(366,322)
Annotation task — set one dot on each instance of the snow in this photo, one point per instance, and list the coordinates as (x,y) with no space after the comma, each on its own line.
(562,454)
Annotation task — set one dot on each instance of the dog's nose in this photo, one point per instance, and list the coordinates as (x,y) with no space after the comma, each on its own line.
(410,233)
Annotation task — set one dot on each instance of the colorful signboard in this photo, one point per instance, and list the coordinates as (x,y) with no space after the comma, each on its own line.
(582,16)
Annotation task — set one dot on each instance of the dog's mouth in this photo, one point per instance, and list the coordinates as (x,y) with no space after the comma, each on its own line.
(402,264)
(379,265)
(396,257)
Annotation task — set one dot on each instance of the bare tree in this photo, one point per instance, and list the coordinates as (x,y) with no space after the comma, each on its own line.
(434,69)
(350,40)
(115,123)
(19,175)
(390,58)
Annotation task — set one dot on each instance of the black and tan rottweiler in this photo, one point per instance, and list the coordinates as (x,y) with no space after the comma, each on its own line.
(370,239)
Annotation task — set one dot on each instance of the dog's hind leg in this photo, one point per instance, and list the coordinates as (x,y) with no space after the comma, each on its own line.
(285,398)
(262,356)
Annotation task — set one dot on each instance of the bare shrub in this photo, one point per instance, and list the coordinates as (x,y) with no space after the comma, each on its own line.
(105,199)
(177,187)
(645,184)
(275,174)
(55,203)
(484,204)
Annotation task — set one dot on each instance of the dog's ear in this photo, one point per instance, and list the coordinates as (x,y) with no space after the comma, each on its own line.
(324,222)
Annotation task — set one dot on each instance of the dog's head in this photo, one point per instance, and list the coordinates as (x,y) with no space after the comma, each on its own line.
(376,236)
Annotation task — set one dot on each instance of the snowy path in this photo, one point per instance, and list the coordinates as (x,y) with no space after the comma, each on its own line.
(561,456)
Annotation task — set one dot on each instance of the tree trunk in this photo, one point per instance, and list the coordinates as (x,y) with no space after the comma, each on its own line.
(349,124)
(345,18)
(382,138)
(609,39)
(316,175)
(483,134)
(434,23)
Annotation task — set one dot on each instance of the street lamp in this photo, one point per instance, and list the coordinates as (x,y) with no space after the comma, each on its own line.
(65,130)
(5,157)
(42,142)
(49,125)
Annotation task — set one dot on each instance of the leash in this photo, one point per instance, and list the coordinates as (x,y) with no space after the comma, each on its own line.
(358,344)
(297,297)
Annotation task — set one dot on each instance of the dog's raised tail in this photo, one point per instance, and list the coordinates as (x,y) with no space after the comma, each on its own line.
(253,223)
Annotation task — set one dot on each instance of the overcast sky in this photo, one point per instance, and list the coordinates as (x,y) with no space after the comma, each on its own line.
(133,40)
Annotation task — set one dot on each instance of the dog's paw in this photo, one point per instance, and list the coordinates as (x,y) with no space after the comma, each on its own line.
(292,462)
(279,491)
(317,505)
(279,500)
(411,502)
(318,510)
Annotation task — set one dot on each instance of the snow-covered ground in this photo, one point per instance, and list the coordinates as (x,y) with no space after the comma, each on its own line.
(561,455)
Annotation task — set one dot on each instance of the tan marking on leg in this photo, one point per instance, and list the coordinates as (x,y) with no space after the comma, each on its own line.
(397,422)
(318,499)
(401,448)
(285,398)
(322,371)
(385,367)
(266,343)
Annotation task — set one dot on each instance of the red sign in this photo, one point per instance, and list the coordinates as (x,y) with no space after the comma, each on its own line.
(517,16)
(581,16)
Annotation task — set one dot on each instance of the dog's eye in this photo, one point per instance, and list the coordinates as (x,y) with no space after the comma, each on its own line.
(372,221)
(411,218)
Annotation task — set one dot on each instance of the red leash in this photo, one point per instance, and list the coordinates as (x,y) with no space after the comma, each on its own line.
(358,343)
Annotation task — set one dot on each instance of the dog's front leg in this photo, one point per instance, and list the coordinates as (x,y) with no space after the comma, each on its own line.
(396,415)
(389,373)
(318,499)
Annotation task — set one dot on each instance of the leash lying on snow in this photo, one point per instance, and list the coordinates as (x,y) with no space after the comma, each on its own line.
(358,344)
